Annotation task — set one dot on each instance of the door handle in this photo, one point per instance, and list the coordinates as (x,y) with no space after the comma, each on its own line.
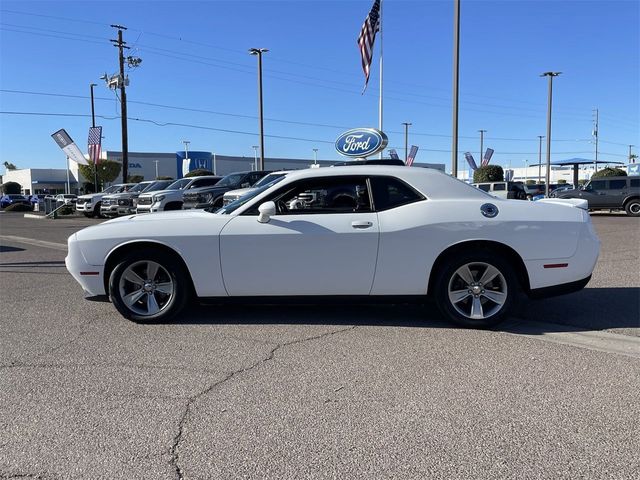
(361,224)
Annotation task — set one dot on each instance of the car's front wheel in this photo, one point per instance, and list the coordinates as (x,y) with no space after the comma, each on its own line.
(149,286)
(476,289)
(632,207)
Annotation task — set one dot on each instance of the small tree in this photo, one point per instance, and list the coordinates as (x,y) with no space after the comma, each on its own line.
(198,172)
(9,166)
(164,177)
(12,188)
(609,172)
(488,173)
(135,178)
(108,171)
(562,181)
(530,182)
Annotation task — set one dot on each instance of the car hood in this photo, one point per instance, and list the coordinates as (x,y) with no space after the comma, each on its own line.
(210,189)
(239,191)
(175,229)
(158,192)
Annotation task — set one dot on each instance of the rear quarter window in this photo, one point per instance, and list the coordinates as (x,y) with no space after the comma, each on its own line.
(635,183)
(617,184)
(498,187)
(390,193)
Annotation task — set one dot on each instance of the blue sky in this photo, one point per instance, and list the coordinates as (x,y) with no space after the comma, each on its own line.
(195,58)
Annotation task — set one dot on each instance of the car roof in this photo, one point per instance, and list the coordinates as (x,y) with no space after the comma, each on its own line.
(429,181)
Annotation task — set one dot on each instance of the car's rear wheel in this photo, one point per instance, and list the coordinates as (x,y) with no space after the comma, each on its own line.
(476,289)
(149,286)
(632,207)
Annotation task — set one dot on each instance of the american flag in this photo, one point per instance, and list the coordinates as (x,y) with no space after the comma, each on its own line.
(412,155)
(95,139)
(367,36)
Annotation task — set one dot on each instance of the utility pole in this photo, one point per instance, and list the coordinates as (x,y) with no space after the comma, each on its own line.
(93,124)
(456,69)
(123,101)
(550,96)
(406,140)
(595,138)
(540,137)
(482,132)
(258,52)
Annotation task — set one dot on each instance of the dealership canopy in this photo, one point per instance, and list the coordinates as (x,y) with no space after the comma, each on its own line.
(575,162)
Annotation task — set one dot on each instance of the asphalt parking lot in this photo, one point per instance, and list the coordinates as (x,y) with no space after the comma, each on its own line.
(316,391)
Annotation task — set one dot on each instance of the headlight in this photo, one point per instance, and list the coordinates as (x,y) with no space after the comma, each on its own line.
(208,197)
(158,198)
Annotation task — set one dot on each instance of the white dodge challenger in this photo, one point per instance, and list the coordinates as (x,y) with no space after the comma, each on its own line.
(365,232)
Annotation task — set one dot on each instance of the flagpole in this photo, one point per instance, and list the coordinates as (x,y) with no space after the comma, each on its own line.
(380,99)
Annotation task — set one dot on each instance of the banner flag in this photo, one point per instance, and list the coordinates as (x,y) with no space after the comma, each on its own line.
(487,157)
(412,155)
(393,154)
(62,138)
(471,161)
(94,142)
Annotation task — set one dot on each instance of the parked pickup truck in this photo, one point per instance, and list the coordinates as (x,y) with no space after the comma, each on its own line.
(171,197)
(109,206)
(90,204)
(212,197)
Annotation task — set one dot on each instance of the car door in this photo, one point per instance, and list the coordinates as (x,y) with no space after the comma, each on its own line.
(323,240)
(616,192)
(594,193)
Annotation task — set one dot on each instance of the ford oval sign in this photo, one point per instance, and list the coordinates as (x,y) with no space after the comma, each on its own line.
(361,142)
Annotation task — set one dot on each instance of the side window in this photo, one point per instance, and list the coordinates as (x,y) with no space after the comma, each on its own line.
(617,184)
(325,195)
(499,187)
(597,185)
(484,187)
(635,182)
(254,177)
(390,192)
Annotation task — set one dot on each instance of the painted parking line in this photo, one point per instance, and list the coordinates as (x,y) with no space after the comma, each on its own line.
(33,241)
(566,335)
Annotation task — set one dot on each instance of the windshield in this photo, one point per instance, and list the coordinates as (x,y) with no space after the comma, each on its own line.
(270,179)
(230,180)
(138,188)
(111,189)
(242,200)
(179,184)
(159,185)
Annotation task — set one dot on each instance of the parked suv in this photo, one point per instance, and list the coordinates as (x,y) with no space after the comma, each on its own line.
(90,204)
(212,196)
(171,197)
(610,193)
(510,190)
(128,201)
(233,195)
(110,205)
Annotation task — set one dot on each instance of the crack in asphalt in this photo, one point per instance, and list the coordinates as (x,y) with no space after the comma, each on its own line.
(191,400)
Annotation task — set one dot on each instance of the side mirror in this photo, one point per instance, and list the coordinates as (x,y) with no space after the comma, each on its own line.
(266,210)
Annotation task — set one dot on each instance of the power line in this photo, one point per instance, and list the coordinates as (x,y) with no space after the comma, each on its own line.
(293,122)
(240,132)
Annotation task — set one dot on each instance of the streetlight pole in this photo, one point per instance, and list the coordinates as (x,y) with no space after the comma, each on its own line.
(315,156)
(258,52)
(456,69)
(156,162)
(406,140)
(482,132)
(550,96)
(526,171)
(630,152)
(540,137)
(186,150)
(93,124)
(255,157)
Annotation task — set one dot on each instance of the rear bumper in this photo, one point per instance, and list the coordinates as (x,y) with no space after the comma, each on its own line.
(556,290)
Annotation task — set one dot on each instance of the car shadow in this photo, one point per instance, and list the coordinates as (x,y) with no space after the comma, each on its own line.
(589,309)
(7,248)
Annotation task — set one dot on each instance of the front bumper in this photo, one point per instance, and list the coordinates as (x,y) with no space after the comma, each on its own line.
(90,277)
(110,211)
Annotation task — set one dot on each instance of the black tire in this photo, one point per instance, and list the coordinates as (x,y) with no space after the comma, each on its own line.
(492,299)
(173,206)
(88,215)
(138,309)
(632,207)
(218,203)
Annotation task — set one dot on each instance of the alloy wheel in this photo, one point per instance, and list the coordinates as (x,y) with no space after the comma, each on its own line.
(146,288)
(477,290)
